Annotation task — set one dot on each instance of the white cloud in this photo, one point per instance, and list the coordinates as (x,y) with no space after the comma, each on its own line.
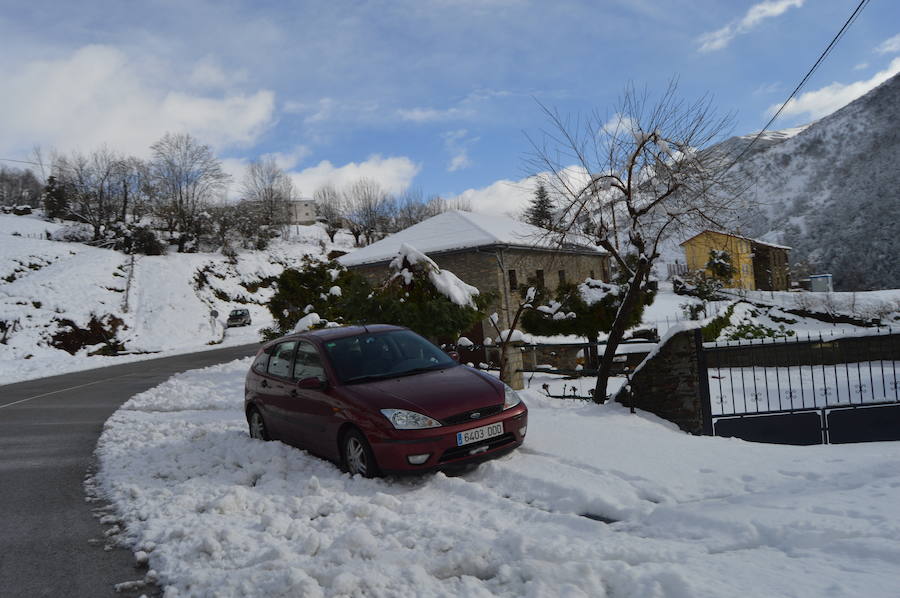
(394,174)
(289,160)
(504,197)
(329,110)
(620,124)
(97,95)
(457,144)
(720,38)
(861,66)
(889,46)
(826,100)
(424,115)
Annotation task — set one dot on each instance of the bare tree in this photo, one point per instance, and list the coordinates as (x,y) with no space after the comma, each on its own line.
(364,206)
(268,186)
(90,182)
(328,201)
(630,181)
(188,176)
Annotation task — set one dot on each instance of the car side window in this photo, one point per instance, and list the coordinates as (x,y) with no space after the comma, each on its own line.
(280,362)
(307,363)
(262,360)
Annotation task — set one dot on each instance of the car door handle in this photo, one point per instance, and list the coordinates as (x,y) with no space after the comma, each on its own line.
(264,384)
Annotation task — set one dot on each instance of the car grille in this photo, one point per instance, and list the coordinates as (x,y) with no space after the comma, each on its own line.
(459,452)
(462,418)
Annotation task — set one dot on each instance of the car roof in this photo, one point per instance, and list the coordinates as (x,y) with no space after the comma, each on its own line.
(345,331)
(327,334)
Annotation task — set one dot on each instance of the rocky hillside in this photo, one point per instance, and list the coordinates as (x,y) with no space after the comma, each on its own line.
(831,190)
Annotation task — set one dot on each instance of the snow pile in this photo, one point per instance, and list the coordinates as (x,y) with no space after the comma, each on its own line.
(445,282)
(307,322)
(217,513)
(594,291)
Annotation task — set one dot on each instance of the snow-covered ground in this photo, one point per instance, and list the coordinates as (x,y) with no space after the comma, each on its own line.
(163,302)
(218,514)
(864,305)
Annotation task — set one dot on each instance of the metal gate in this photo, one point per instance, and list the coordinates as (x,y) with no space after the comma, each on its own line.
(815,390)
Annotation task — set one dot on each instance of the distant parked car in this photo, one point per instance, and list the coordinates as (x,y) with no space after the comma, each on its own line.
(379,399)
(239,317)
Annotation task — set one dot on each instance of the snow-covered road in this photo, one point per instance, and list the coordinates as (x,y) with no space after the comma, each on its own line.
(219,514)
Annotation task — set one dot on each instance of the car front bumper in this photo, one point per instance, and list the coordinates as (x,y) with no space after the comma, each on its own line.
(394,448)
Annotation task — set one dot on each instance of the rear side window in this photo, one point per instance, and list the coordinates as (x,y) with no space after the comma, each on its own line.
(308,364)
(262,361)
(282,357)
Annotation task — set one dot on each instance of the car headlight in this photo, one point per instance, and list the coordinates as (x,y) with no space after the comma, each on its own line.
(402,419)
(510,397)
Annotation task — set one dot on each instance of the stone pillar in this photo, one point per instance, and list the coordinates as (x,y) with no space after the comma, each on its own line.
(512,363)
(669,385)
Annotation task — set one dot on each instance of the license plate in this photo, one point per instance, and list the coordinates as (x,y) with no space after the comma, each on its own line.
(476,434)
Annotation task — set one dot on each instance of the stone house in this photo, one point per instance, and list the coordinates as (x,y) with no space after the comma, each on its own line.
(495,254)
(758,265)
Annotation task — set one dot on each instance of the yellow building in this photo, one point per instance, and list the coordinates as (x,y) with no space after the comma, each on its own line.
(757,265)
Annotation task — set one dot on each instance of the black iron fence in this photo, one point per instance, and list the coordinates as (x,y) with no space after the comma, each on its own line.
(814,389)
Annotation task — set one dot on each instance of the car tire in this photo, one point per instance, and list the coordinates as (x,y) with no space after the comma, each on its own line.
(356,455)
(257,425)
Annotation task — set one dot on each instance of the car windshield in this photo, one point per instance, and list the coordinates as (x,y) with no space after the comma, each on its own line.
(237,312)
(384,355)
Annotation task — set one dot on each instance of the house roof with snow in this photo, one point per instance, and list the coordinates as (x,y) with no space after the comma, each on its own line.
(755,241)
(457,230)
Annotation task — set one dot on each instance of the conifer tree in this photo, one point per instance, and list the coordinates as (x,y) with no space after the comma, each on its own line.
(56,205)
(540,212)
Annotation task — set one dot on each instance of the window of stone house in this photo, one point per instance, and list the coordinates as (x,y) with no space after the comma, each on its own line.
(513,280)
(562,277)
(539,278)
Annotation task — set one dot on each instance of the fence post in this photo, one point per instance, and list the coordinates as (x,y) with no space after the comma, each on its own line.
(703,379)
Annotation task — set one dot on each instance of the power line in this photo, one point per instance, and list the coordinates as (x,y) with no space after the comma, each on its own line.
(20,161)
(850,20)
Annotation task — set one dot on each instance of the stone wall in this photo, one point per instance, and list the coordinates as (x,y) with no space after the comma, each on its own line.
(669,384)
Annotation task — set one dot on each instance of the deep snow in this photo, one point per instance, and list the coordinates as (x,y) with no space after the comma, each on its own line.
(219,514)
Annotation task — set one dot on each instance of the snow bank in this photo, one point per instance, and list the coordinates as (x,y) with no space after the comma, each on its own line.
(217,513)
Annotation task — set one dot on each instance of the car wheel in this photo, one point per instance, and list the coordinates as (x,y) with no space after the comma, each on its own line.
(357,455)
(257,425)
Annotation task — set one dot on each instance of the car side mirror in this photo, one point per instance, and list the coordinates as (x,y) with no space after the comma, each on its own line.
(453,355)
(312,383)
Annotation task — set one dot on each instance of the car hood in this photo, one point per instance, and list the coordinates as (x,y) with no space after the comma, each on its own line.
(438,394)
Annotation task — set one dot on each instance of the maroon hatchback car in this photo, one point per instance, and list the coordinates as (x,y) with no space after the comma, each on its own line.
(379,399)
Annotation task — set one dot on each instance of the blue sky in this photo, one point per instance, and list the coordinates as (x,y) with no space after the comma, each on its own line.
(435,94)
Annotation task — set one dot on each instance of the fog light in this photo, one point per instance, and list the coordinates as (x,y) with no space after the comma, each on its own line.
(522,430)
(417,459)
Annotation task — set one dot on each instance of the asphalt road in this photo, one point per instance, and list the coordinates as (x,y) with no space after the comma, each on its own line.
(51,544)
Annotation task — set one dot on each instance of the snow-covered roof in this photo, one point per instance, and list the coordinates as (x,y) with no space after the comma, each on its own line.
(756,241)
(460,230)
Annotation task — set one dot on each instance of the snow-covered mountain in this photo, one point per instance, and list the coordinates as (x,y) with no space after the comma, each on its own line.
(831,190)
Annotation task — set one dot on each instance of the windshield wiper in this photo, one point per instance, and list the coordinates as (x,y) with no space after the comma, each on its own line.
(420,370)
(368,378)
